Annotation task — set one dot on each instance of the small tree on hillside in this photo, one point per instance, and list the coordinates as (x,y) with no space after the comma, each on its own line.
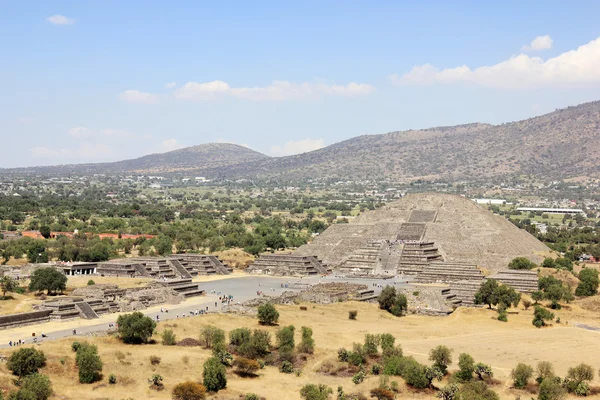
(35,387)
(551,389)
(7,284)
(45,231)
(441,357)
(521,375)
(521,263)
(214,375)
(540,316)
(307,344)
(189,391)
(315,392)
(267,314)
(400,305)
(466,363)
(589,281)
(486,293)
(88,362)
(168,338)
(26,361)
(212,336)
(135,328)
(483,371)
(48,279)
(387,298)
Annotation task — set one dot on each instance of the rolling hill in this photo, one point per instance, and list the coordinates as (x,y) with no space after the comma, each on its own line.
(560,144)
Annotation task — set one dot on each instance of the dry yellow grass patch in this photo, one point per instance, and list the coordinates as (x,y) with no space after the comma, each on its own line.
(236,258)
(474,331)
(123,282)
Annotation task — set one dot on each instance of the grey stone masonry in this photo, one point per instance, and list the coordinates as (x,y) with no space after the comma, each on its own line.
(522,281)
(444,272)
(363,260)
(286,264)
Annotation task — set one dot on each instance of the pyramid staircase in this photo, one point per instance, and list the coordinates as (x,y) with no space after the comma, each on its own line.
(85,310)
(446,272)
(416,256)
(286,265)
(363,260)
(523,281)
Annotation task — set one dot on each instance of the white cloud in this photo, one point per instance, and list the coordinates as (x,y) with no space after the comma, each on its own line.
(576,67)
(170,145)
(85,151)
(120,133)
(297,147)
(170,85)
(80,132)
(60,20)
(135,96)
(539,43)
(277,91)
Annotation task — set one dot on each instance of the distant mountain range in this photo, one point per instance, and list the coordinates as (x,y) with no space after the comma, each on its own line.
(564,143)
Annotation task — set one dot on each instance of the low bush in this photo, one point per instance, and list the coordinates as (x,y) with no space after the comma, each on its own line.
(189,391)
(26,361)
(359,377)
(154,360)
(286,367)
(112,379)
(352,314)
(246,366)
(521,375)
(168,338)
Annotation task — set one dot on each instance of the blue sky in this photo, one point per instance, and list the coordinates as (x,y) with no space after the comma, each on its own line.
(91,81)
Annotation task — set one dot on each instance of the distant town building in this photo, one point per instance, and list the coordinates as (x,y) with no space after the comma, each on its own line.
(492,202)
(551,210)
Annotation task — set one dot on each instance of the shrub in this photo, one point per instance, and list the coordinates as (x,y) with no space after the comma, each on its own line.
(521,375)
(251,396)
(89,363)
(521,263)
(414,374)
(476,390)
(382,394)
(371,344)
(376,369)
(135,328)
(154,360)
(483,371)
(400,305)
(286,367)
(576,378)
(357,356)
(307,344)
(352,314)
(343,355)
(112,379)
(588,285)
(387,297)
(485,294)
(168,338)
(551,389)
(267,314)
(393,365)
(359,377)
(75,346)
(258,346)
(315,392)
(26,361)
(387,341)
(37,384)
(540,316)
(502,314)
(189,391)
(526,303)
(156,381)
(441,357)
(467,366)
(447,392)
(544,370)
(246,366)
(239,336)
(212,336)
(214,375)
(91,282)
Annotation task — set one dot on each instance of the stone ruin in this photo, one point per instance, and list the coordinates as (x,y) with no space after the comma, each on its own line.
(287,265)
(92,301)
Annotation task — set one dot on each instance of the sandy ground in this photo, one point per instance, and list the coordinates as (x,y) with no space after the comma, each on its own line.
(474,331)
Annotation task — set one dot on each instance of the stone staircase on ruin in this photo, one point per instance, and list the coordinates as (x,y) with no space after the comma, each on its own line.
(85,311)
(202,264)
(465,291)
(446,272)
(523,281)
(415,256)
(363,260)
(181,270)
(185,287)
(286,265)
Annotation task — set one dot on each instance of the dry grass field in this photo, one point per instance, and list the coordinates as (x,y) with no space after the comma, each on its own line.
(474,331)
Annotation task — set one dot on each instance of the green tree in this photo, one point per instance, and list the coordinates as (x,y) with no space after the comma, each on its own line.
(135,328)
(45,231)
(483,371)
(441,356)
(267,314)
(540,316)
(26,361)
(168,338)
(466,363)
(551,389)
(544,370)
(521,263)
(400,305)
(507,296)
(371,344)
(577,378)
(486,293)
(521,375)
(48,279)
(387,298)
(588,285)
(212,336)
(316,392)
(7,284)
(476,390)
(307,344)
(37,385)
(88,362)
(214,375)
(549,263)
(286,343)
